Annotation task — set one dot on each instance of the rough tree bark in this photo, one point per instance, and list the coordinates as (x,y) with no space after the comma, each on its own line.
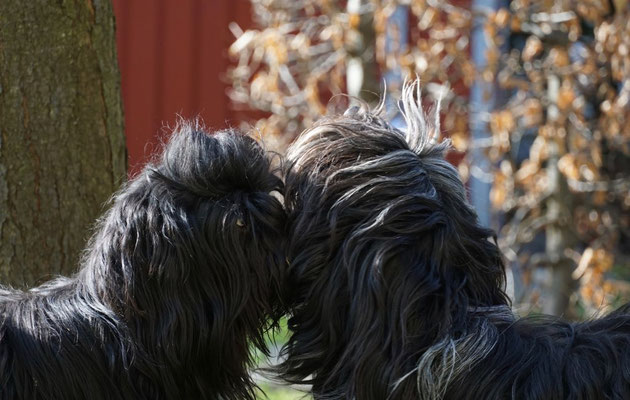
(62,151)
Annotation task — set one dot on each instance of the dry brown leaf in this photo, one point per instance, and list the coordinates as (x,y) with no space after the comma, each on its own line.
(533,47)
(567,166)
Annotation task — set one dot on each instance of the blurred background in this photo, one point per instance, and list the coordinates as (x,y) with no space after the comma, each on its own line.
(535,97)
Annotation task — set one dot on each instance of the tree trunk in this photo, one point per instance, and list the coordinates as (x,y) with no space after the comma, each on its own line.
(62,151)
(558,234)
(362,77)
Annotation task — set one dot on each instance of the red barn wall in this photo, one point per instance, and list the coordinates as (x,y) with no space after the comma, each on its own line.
(173,59)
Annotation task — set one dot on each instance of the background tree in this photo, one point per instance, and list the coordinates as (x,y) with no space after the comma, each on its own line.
(62,151)
(556,151)
(568,78)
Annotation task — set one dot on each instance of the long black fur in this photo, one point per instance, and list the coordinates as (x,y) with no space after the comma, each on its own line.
(398,290)
(177,284)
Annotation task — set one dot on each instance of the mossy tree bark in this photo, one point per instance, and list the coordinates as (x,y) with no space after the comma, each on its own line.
(62,148)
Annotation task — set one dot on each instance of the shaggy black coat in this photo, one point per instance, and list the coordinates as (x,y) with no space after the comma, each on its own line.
(398,290)
(178,282)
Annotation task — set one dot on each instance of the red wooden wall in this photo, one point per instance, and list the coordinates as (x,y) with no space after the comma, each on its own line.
(173,58)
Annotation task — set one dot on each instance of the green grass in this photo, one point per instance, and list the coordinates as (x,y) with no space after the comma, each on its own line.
(274,338)
(272,392)
(269,390)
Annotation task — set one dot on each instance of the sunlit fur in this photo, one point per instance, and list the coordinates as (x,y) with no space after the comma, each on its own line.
(176,285)
(397,289)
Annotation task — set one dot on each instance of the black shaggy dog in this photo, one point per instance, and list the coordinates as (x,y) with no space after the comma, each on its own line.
(397,289)
(178,281)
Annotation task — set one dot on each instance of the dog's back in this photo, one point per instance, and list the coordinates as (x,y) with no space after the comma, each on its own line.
(54,344)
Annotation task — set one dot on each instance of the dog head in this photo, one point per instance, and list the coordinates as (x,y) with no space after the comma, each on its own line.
(190,255)
(386,254)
